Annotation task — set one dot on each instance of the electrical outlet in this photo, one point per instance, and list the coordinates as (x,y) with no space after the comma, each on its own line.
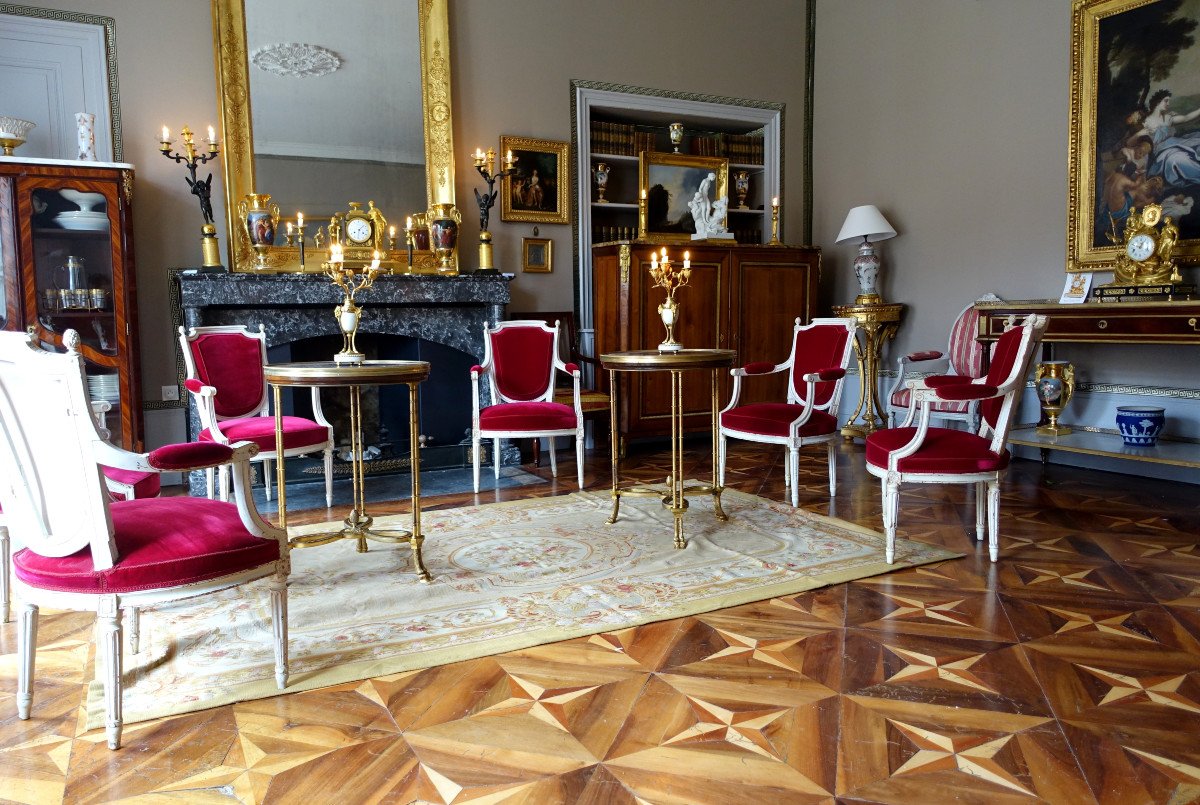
(170,392)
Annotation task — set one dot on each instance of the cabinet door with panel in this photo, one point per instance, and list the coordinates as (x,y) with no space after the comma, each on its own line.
(743,298)
(66,248)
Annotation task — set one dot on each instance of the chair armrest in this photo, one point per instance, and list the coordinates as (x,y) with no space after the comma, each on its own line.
(757,368)
(921,357)
(965,391)
(183,457)
(826,375)
(941,381)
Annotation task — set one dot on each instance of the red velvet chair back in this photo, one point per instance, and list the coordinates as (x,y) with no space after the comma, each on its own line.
(51,489)
(232,363)
(523,360)
(817,347)
(1004,358)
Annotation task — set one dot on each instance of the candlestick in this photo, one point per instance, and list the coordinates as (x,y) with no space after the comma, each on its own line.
(775,223)
(300,236)
(408,241)
(484,163)
(202,190)
(670,279)
(391,238)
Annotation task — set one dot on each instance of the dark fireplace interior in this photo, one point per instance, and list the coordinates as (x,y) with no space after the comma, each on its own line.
(444,418)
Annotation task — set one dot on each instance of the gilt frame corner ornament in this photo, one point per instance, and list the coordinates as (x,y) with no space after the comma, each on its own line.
(1134,130)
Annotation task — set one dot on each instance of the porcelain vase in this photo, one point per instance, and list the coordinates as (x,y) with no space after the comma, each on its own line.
(444,220)
(85,127)
(1055,385)
(1140,425)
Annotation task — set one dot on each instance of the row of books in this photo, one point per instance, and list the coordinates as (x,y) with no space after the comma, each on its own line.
(625,139)
(608,234)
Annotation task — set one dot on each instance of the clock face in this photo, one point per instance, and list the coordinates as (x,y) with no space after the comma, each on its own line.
(358,230)
(1140,247)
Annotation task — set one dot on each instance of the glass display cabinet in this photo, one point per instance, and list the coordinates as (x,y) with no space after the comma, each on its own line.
(66,248)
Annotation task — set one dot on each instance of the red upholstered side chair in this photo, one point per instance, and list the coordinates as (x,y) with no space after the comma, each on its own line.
(225,378)
(594,403)
(816,372)
(520,358)
(924,455)
(963,357)
(88,552)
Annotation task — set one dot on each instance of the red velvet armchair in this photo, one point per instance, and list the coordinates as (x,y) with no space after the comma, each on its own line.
(520,359)
(225,378)
(926,455)
(816,372)
(87,552)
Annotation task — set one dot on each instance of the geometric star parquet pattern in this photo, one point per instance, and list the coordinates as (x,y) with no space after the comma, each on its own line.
(1069,671)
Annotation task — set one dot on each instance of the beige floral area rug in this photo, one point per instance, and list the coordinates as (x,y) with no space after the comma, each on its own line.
(506,576)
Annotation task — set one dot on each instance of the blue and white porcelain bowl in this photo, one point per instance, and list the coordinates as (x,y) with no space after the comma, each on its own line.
(1140,425)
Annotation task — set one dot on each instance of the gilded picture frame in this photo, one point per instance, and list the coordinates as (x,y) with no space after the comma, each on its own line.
(668,182)
(537,192)
(1135,124)
(537,255)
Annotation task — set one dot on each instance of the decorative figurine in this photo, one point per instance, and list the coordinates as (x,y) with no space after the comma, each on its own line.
(486,164)
(709,216)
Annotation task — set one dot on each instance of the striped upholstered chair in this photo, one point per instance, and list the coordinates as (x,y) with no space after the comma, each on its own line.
(963,357)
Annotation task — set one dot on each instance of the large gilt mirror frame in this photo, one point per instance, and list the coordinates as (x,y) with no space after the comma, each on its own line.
(237,134)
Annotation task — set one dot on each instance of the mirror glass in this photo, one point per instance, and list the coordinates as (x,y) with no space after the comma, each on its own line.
(336,107)
(322,106)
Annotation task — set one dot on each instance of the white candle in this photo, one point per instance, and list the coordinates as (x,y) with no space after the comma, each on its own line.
(166,138)
(775,201)
(289,226)
(687,263)
(299,219)
(375,262)
(212,135)
(392,232)
(408,222)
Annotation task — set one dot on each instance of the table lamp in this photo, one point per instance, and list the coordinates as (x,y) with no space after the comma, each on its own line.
(868,223)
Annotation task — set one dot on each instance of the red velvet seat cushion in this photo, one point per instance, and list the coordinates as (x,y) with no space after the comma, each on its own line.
(297,432)
(145,484)
(189,455)
(944,450)
(774,419)
(161,542)
(527,416)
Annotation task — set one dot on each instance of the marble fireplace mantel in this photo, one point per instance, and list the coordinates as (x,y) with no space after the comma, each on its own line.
(292,307)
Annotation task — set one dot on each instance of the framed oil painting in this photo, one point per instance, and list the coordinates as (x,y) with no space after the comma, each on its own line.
(536,192)
(668,183)
(537,255)
(1135,124)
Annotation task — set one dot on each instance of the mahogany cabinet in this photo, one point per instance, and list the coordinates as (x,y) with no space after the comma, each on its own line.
(740,297)
(66,251)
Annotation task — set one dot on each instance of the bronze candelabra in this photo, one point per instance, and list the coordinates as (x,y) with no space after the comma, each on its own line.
(486,164)
(201,189)
(670,279)
(348,314)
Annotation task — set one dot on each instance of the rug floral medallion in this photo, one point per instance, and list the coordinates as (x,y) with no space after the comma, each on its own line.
(506,576)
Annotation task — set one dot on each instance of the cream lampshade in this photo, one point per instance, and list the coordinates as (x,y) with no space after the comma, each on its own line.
(868,223)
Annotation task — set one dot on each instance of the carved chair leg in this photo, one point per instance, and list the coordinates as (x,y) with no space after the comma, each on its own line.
(580,440)
(980,509)
(208,476)
(266,469)
(831,460)
(279,627)
(135,630)
(475,447)
(108,619)
(5,576)
(329,478)
(27,654)
(993,507)
(722,455)
(553,456)
(496,458)
(537,452)
(794,463)
(891,502)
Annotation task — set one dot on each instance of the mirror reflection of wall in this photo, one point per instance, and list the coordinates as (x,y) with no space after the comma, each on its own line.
(336,104)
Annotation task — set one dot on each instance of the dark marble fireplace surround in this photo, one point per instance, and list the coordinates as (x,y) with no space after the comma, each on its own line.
(294,307)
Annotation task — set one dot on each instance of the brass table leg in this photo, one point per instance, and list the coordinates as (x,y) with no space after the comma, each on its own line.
(612,432)
(359,521)
(717,489)
(678,502)
(416,538)
(279,459)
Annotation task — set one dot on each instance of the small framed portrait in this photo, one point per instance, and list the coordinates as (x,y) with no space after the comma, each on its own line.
(536,192)
(537,255)
(672,184)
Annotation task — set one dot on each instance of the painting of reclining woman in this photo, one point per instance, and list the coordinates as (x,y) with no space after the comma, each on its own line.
(1147,117)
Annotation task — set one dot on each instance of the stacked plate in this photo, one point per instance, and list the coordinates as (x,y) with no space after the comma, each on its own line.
(104,387)
(84,221)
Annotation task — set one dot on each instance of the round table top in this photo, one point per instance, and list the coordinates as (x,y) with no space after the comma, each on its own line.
(328,373)
(647,360)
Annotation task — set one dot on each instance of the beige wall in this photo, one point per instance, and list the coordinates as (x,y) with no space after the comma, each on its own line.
(951,115)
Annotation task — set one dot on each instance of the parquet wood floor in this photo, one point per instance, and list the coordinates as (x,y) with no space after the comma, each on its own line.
(1067,672)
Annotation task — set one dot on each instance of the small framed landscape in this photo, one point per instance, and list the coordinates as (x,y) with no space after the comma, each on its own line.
(668,182)
(537,190)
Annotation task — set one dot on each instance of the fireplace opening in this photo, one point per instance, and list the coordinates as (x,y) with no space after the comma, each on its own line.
(443,416)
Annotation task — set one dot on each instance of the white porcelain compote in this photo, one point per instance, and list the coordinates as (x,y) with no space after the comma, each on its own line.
(86,201)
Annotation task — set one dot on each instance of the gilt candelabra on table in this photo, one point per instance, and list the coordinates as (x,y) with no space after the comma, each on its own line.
(670,279)
(486,165)
(348,314)
(201,189)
